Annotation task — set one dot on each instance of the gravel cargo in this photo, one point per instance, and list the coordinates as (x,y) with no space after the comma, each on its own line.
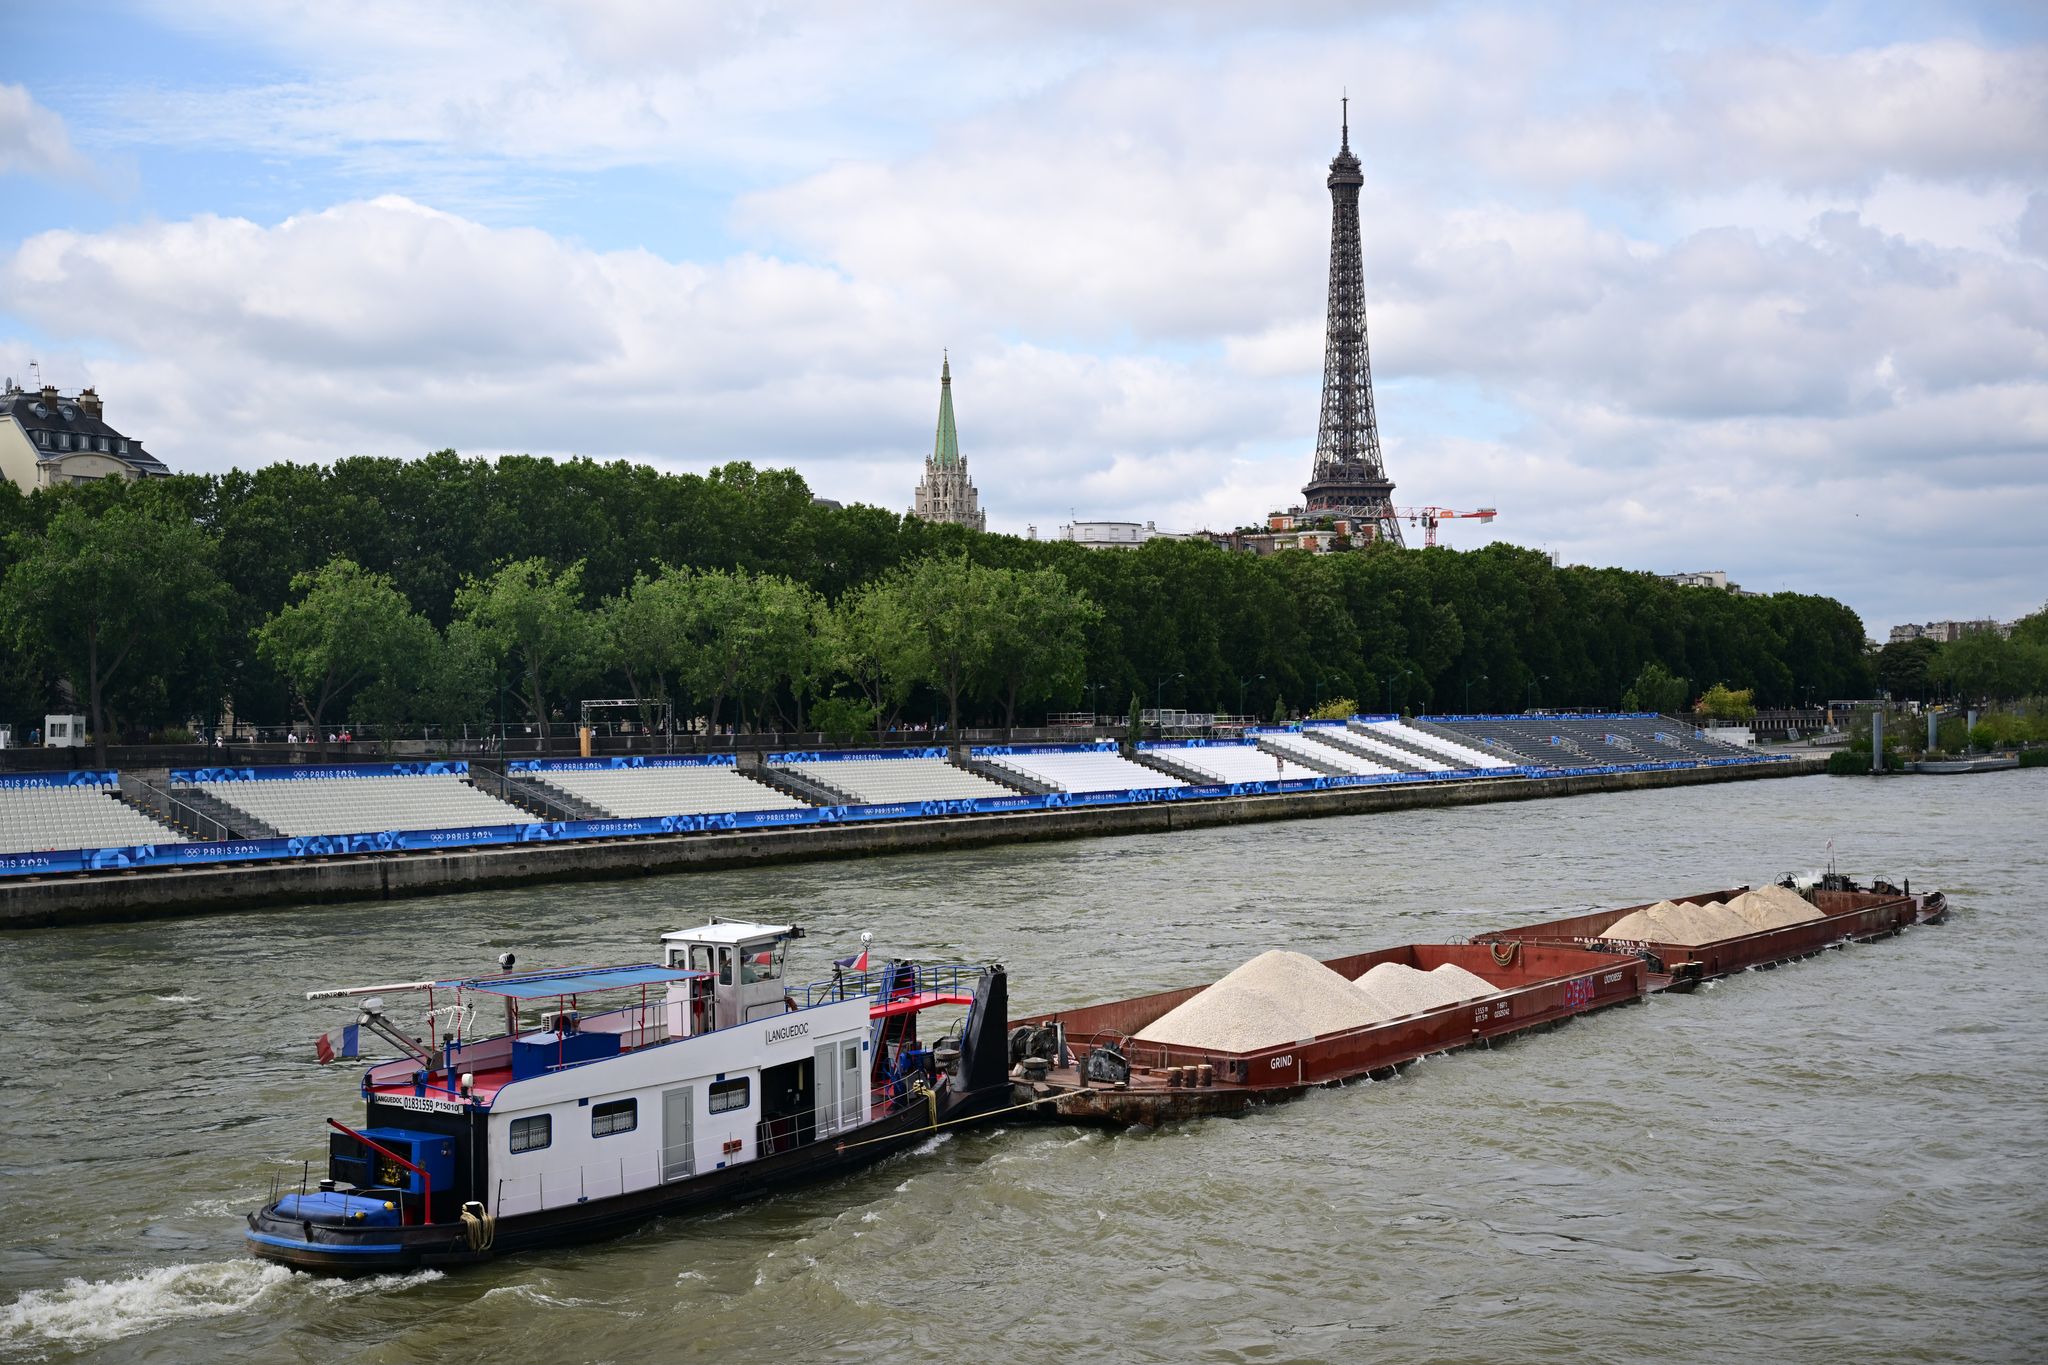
(1691,925)
(1472,984)
(1399,989)
(1773,907)
(1273,1000)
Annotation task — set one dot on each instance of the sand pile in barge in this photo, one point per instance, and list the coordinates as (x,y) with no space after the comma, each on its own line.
(1399,989)
(1273,1000)
(1672,922)
(1773,907)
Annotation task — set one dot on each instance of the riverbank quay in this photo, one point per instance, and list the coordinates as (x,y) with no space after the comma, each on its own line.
(155,893)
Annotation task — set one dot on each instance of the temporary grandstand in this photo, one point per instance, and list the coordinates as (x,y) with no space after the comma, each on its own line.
(37,819)
(880,781)
(1337,735)
(1311,750)
(1079,770)
(378,800)
(660,789)
(1238,762)
(1597,740)
(1393,731)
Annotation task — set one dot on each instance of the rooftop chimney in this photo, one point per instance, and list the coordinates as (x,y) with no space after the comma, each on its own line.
(50,394)
(89,403)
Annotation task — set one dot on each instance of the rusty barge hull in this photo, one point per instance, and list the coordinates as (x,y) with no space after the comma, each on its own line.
(1540,986)
(1857,916)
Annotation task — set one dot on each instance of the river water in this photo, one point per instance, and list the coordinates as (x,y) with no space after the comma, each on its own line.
(1841,1160)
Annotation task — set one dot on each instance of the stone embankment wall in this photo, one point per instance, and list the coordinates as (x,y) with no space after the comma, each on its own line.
(107,896)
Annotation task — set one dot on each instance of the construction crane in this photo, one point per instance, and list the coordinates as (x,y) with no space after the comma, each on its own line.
(1428,517)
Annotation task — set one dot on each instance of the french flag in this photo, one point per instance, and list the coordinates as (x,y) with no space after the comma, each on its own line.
(856,963)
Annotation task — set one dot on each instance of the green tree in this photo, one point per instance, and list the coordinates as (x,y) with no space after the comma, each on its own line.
(1985,666)
(529,616)
(1657,689)
(1723,702)
(647,635)
(460,679)
(1037,637)
(124,593)
(1906,668)
(949,609)
(869,640)
(350,628)
(749,635)
(841,718)
(790,651)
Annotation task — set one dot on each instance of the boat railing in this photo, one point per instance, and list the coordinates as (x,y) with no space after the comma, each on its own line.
(892,981)
(636,1025)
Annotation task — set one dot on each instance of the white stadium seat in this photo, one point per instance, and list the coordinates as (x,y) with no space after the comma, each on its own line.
(365,805)
(880,781)
(1436,744)
(47,819)
(667,789)
(1232,762)
(1095,770)
(1302,746)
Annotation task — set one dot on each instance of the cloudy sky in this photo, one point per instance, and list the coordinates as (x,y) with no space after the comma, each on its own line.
(1754,287)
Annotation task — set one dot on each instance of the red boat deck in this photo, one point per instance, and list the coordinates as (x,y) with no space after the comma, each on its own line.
(921,1000)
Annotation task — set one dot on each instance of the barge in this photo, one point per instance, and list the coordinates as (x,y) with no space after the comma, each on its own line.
(1087,1065)
(639,1090)
(1849,913)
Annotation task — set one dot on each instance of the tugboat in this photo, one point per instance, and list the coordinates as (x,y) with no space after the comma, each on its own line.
(638,1090)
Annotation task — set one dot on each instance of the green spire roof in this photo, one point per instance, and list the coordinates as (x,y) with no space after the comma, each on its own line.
(946,446)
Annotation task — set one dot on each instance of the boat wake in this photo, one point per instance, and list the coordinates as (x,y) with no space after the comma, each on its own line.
(85,1311)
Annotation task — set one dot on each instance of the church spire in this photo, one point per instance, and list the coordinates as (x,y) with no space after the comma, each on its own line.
(946,494)
(946,445)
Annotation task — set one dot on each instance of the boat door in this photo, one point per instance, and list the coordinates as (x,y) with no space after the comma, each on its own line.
(678,1146)
(842,1093)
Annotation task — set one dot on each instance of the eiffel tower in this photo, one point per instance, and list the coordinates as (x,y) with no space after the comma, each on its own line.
(1351,475)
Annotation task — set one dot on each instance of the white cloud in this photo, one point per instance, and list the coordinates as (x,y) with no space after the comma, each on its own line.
(33,140)
(1938,110)
(1755,305)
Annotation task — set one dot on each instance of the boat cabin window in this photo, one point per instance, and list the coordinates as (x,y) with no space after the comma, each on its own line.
(533,1133)
(761,962)
(700,957)
(728,1095)
(614,1116)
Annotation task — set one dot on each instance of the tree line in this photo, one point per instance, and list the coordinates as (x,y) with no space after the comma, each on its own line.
(1981,666)
(447,590)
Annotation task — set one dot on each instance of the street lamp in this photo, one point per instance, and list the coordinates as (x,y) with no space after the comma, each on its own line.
(1159,691)
(1391,679)
(1468,691)
(1240,692)
(1540,677)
